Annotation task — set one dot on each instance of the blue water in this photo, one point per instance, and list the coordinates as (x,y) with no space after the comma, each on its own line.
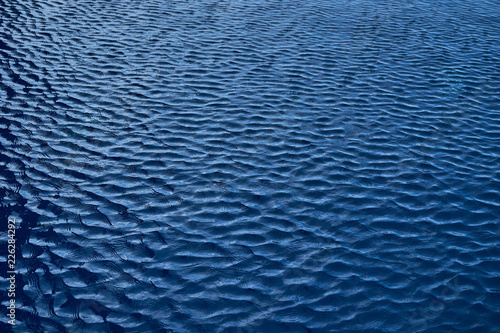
(251,166)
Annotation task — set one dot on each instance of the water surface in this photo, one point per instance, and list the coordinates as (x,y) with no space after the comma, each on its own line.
(252,166)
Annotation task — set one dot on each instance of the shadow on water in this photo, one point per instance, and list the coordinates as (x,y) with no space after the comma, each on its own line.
(12,206)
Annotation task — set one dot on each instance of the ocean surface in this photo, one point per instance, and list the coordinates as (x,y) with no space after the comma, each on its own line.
(251,166)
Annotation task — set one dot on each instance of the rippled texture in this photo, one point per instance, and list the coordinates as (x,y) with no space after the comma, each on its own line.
(252,166)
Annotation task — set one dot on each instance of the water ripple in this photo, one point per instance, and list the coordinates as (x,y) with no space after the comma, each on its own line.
(251,166)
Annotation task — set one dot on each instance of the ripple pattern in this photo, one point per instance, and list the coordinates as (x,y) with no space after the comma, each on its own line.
(252,166)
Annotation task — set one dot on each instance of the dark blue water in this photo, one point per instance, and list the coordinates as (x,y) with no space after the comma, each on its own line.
(251,166)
